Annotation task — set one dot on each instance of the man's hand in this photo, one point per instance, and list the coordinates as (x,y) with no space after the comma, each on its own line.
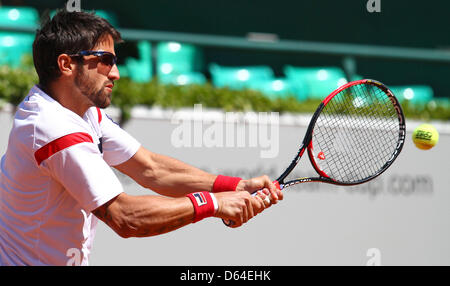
(238,207)
(264,184)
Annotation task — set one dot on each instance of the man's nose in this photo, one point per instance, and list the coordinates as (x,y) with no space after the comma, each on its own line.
(114,73)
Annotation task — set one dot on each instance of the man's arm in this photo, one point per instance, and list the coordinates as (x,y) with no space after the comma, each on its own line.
(165,175)
(171,177)
(142,216)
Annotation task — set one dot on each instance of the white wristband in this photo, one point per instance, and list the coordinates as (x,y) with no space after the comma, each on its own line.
(216,205)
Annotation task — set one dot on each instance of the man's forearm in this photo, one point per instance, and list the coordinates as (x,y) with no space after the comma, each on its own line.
(175,178)
(166,175)
(142,216)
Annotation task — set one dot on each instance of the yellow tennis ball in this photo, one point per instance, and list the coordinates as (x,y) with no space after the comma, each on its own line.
(425,136)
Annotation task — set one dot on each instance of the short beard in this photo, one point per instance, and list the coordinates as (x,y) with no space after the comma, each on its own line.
(98,98)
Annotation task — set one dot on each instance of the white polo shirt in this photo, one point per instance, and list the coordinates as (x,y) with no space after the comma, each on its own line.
(56,170)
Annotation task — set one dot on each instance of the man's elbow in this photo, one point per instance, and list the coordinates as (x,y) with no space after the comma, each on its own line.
(124,233)
(112,215)
(125,227)
(119,228)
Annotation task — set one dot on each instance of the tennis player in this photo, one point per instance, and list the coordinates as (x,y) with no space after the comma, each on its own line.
(56,179)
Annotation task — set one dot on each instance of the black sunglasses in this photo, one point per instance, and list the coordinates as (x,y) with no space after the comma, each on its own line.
(106,58)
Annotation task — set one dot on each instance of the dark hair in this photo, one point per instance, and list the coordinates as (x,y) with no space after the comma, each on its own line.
(67,33)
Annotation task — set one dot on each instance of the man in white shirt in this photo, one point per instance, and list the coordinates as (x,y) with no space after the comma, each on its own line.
(56,179)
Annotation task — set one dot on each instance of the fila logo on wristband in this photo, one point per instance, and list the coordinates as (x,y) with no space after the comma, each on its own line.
(205,205)
(200,198)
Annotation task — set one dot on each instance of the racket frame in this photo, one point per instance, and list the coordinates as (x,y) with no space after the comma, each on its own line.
(307,144)
(307,141)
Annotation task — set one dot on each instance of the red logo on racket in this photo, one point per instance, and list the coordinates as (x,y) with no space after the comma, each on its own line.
(321,156)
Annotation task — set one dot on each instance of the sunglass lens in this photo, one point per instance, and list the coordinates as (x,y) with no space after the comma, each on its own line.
(108,59)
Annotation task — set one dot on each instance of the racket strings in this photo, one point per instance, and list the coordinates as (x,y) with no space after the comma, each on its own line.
(366,125)
(355,134)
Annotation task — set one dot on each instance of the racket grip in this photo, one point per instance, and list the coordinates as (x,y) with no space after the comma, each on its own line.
(230,223)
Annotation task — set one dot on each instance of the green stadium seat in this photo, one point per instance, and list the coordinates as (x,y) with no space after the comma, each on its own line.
(317,82)
(416,94)
(240,77)
(139,70)
(183,79)
(276,88)
(123,70)
(14,45)
(177,58)
(18,17)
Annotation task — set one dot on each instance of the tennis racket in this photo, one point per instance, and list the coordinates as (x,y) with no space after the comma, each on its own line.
(355,134)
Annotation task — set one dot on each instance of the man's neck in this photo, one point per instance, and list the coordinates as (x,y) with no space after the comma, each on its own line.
(77,103)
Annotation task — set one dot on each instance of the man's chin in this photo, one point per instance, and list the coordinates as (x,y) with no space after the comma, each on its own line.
(104,104)
(107,100)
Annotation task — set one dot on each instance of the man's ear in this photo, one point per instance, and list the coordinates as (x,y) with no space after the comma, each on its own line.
(65,64)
